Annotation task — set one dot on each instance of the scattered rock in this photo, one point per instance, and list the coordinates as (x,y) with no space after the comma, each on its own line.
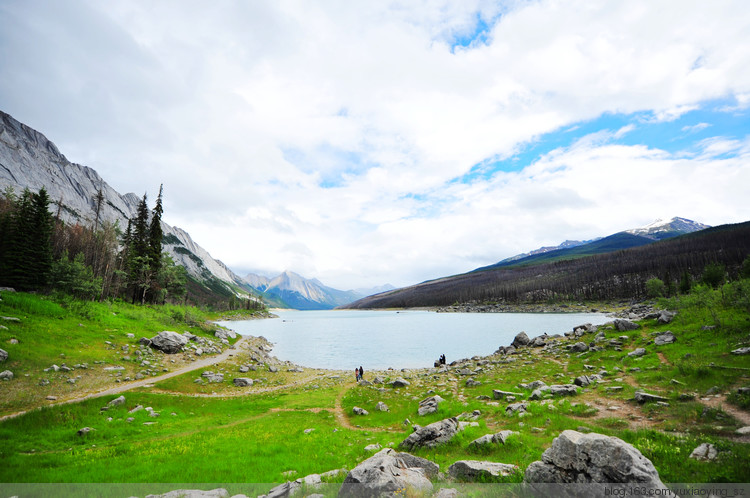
(705,452)
(741,351)
(429,405)
(388,472)
(666,317)
(373,447)
(6,375)
(243,382)
(665,338)
(591,458)
(473,383)
(360,411)
(117,401)
(487,439)
(637,353)
(431,435)
(514,408)
(273,368)
(85,431)
(213,377)
(400,382)
(3,355)
(498,394)
(520,340)
(169,342)
(642,397)
(382,407)
(474,470)
(625,325)
(579,347)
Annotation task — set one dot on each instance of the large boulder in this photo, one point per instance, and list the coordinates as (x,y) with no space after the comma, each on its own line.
(475,470)
(388,472)
(576,458)
(169,342)
(400,382)
(431,435)
(242,381)
(3,355)
(579,347)
(520,340)
(625,325)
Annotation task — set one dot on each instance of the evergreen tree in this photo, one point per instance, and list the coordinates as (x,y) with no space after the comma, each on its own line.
(41,249)
(156,235)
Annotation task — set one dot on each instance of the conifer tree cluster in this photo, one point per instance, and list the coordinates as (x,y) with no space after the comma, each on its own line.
(39,252)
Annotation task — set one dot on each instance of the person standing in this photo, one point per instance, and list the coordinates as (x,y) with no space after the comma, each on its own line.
(356,374)
(361,373)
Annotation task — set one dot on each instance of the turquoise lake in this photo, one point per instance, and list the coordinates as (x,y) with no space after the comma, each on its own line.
(346,339)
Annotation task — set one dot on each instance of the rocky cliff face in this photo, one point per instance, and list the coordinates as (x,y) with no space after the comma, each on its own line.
(29,160)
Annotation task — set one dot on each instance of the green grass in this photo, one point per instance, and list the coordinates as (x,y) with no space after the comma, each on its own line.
(257,434)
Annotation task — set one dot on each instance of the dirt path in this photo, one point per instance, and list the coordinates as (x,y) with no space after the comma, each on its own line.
(203,362)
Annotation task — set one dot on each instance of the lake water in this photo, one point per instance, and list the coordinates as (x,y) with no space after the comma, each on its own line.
(344,339)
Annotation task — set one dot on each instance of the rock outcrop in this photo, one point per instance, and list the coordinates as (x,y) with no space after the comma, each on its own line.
(169,342)
(431,435)
(389,471)
(576,458)
(475,470)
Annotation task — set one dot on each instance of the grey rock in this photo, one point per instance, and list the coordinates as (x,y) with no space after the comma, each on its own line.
(382,407)
(447,493)
(579,347)
(242,382)
(273,368)
(225,334)
(637,353)
(666,317)
(373,447)
(590,458)
(563,390)
(626,325)
(169,342)
(665,338)
(387,472)
(213,377)
(488,439)
(539,341)
(429,405)
(360,411)
(642,397)
(473,383)
(400,382)
(706,452)
(520,340)
(475,470)
(84,431)
(499,394)
(6,375)
(514,408)
(431,435)
(741,351)
(536,385)
(117,401)
(3,355)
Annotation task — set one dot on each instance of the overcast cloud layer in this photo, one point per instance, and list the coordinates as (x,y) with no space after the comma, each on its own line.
(370,142)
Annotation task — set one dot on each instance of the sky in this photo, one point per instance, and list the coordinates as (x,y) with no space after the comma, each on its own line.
(365,143)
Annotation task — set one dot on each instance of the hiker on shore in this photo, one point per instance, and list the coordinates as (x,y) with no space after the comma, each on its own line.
(356,374)
(361,373)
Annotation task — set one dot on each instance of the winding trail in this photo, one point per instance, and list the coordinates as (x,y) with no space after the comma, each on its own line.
(203,362)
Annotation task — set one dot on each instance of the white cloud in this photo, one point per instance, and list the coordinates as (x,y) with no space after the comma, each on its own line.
(246,111)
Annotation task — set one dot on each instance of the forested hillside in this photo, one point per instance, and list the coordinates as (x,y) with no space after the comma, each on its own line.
(616,275)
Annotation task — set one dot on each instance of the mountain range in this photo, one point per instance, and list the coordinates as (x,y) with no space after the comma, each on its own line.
(634,237)
(294,291)
(612,267)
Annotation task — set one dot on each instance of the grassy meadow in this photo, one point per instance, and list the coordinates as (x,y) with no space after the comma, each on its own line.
(298,421)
